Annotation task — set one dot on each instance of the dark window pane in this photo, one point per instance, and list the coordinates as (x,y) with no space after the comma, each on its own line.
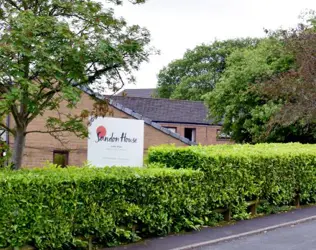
(61,158)
(190,133)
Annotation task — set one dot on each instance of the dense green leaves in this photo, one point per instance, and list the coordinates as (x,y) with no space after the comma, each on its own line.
(50,47)
(266,93)
(199,70)
(296,88)
(262,90)
(235,174)
(65,208)
(243,111)
(5,153)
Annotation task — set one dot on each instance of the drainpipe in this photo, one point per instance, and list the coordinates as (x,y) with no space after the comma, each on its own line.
(8,137)
(7,134)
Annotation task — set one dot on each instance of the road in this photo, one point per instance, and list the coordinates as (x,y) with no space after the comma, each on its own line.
(301,236)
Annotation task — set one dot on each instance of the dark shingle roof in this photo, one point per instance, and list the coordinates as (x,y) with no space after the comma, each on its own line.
(146,93)
(138,116)
(166,110)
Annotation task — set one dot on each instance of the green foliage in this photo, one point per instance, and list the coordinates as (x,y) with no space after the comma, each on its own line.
(49,48)
(266,208)
(56,208)
(5,154)
(244,112)
(199,70)
(235,174)
(296,87)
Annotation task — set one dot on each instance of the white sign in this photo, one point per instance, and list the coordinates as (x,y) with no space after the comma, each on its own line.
(115,142)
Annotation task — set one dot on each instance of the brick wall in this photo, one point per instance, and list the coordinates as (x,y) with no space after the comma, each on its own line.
(205,135)
(40,147)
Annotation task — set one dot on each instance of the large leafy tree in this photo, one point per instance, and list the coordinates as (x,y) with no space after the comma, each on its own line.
(297,87)
(268,93)
(49,48)
(244,112)
(199,70)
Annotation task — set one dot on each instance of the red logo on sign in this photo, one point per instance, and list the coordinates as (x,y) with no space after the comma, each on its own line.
(101,132)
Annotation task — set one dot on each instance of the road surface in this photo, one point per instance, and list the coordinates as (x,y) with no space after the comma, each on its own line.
(301,236)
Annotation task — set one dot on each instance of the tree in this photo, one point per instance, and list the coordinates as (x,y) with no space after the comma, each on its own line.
(199,70)
(49,48)
(244,112)
(268,93)
(296,87)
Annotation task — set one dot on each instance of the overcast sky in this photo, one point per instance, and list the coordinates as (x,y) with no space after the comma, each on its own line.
(178,25)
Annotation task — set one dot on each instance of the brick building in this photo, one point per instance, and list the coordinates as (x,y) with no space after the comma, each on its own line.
(186,118)
(182,123)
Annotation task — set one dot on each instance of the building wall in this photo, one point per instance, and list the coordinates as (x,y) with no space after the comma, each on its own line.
(205,135)
(40,146)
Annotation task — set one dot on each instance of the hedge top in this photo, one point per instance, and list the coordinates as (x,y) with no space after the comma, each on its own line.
(264,149)
(88,173)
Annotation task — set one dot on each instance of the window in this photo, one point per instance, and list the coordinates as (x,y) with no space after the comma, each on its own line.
(190,133)
(222,136)
(61,158)
(172,129)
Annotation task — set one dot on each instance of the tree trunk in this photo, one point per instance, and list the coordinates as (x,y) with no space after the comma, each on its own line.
(19,143)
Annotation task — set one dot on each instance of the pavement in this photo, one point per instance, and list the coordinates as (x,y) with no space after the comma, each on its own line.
(300,236)
(217,235)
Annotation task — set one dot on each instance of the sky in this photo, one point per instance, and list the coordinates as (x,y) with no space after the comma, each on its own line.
(178,25)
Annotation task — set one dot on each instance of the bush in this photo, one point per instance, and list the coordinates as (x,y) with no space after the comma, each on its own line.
(4,154)
(65,208)
(239,173)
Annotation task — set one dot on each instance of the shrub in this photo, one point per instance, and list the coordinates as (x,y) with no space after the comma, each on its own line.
(4,154)
(65,208)
(237,173)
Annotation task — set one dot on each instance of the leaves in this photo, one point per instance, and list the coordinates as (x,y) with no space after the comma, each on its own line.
(66,208)
(296,87)
(50,48)
(199,70)
(266,94)
(235,174)
(5,153)
(243,111)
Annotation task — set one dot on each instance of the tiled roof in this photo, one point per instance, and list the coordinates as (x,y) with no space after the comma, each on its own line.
(146,93)
(166,110)
(138,116)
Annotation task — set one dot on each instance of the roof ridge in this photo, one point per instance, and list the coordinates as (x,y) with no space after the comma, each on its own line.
(154,98)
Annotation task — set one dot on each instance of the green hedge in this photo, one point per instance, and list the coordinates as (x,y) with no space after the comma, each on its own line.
(67,208)
(4,154)
(239,173)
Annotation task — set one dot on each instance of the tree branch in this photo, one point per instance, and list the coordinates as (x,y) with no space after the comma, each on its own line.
(121,79)
(99,72)
(14,4)
(49,96)
(47,132)
(15,113)
(7,128)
